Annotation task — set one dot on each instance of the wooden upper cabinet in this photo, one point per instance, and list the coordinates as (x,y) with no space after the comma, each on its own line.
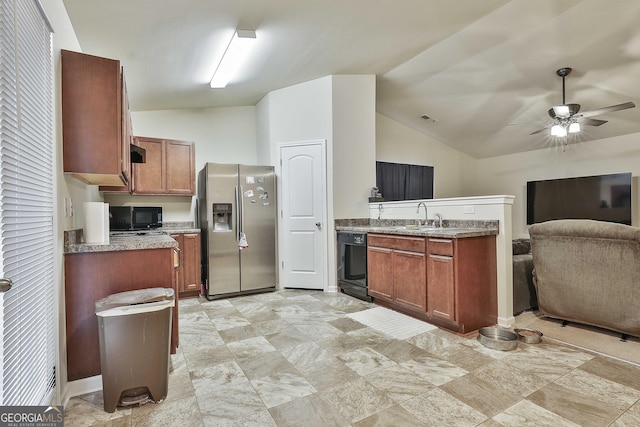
(148,177)
(95,149)
(180,161)
(169,167)
(127,140)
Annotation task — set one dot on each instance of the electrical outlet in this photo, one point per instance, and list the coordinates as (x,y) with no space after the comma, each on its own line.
(469,209)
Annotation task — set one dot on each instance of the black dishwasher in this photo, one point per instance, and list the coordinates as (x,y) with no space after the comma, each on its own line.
(352,265)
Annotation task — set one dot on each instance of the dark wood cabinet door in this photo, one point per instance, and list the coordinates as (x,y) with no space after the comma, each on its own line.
(441,289)
(180,167)
(191,262)
(169,167)
(148,177)
(188,273)
(410,279)
(125,141)
(92,119)
(380,272)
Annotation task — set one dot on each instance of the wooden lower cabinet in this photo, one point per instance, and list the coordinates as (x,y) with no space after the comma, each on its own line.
(92,276)
(410,279)
(188,274)
(441,294)
(448,282)
(380,272)
(397,270)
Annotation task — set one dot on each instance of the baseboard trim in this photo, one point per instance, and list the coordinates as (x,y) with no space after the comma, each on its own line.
(506,322)
(80,387)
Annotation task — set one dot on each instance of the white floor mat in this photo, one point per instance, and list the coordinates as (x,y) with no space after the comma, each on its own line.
(392,323)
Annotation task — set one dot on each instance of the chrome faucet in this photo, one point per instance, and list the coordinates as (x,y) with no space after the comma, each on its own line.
(439,219)
(425,212)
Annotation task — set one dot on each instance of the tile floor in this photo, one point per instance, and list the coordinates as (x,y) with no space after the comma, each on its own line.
(293,358)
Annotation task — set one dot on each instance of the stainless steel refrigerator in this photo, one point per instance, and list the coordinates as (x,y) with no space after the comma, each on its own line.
(237,213)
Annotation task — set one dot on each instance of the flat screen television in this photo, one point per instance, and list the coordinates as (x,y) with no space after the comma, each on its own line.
(601,197)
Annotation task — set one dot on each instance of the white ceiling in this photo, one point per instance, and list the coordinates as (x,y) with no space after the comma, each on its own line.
(485,70)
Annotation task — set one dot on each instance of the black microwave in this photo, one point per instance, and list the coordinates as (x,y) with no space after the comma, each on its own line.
(134,217)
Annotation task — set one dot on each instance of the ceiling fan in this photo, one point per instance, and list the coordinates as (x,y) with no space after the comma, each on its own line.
(567,117)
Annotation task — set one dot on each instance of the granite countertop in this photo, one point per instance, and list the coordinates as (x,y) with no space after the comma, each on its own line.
(450,230)
(125,241)
(174,230)
(174,227)
(158,238)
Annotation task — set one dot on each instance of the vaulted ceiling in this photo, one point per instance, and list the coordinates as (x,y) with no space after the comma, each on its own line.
(484,71)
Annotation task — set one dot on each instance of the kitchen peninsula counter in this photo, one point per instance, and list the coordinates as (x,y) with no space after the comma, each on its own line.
(120,241)
(451,229)
(443,275)
(130,261)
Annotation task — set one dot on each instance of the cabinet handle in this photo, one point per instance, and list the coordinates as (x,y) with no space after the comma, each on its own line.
(176,257)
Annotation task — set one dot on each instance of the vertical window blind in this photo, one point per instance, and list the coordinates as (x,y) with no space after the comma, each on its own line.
(28,310)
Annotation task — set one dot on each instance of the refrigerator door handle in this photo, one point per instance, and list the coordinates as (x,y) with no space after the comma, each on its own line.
(237,215)
(241,227)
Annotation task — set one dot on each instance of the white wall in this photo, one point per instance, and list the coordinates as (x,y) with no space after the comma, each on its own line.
(341,111)
(453,170)
(300,113)
(354,156)
(509,174)
(66,187)
(263,132)
(224,135)
(297,113)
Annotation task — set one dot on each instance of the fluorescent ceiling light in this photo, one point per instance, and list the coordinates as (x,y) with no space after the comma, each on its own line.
(236,53)
(574,127)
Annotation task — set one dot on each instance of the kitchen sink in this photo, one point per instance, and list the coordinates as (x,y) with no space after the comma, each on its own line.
(415,227)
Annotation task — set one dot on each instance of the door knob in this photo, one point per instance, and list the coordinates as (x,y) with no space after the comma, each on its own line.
(5,285)
(319,225)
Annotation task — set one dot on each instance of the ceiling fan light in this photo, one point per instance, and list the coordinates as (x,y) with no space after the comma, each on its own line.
(574,127)
(558,130)
(561,110)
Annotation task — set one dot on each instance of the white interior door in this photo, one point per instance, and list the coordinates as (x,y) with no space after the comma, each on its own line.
(303,201)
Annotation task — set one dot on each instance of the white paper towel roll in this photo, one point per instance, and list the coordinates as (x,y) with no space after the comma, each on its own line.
(96,222)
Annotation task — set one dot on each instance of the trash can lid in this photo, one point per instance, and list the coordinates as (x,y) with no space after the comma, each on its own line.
(140,296)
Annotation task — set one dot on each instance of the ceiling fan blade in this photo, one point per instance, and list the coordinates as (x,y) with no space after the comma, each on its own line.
(606,110)
(592,122)
(540,130)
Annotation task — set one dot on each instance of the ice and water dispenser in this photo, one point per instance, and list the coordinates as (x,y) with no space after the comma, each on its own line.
(222,214)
